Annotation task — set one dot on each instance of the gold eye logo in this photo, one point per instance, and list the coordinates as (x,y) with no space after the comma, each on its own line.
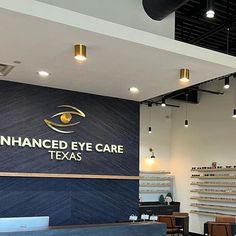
(65,118)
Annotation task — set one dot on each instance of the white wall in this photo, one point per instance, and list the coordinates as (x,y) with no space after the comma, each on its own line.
(129,13)
(159,139)
(210,137)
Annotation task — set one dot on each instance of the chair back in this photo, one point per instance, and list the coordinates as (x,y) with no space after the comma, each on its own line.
(180,214)
(219,229)
(225,219)
(168,219)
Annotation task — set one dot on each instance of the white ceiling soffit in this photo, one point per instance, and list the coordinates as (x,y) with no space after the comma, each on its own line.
(118,56)
(123,12)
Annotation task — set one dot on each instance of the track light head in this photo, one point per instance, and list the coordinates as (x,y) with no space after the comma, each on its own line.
(163,102)
(226,85)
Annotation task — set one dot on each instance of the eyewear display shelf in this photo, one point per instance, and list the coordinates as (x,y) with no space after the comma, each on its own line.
(213,191)
(153,184)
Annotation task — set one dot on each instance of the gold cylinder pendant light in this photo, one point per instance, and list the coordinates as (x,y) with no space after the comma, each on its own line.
(184,75)
(80,52)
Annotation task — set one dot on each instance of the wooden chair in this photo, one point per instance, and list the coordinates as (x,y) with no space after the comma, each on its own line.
(225,219)
(219,229)
(169,220)
(180,214)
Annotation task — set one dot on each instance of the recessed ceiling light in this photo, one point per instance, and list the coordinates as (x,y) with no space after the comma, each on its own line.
(210,13)
(134,90)
(184,75)
(43,73)
(80,52)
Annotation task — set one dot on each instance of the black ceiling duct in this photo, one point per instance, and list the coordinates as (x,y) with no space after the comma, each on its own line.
(159,9)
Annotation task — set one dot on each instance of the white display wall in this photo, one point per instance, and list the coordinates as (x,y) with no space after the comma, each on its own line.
(210,137)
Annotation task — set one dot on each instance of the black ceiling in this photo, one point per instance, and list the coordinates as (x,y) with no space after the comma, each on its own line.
(193,27)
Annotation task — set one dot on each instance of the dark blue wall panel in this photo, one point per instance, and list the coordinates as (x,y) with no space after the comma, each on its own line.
(23,109)
(68,201)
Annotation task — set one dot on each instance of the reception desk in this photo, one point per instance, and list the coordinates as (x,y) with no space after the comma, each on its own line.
(118,229)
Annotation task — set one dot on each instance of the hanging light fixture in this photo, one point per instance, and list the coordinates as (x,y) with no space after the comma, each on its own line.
(234,113)
(210,13)
(234,110)
(163,102)
(186,111)
(226,85)
(186,123)
(80,52)
(184,75)
(152,151)
(150,113)
(149,129)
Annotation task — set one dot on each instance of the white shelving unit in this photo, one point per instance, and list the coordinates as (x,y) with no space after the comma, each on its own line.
(213,191)
(153,184)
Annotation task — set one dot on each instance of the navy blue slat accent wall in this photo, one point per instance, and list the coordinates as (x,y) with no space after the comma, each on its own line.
(68,201)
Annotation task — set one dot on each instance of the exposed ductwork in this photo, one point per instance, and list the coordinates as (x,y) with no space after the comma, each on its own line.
(159,9)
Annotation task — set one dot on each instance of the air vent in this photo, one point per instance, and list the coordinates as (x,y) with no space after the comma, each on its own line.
(5,69)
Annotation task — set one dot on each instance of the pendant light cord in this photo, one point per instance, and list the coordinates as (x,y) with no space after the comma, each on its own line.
(186,107)
(228,29)
(228,32)
(209,4)
(234,93)
(150,114)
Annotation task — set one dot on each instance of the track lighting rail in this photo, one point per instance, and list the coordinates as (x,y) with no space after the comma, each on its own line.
(206,91)
(158,100)
(147,102)
(188,95)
